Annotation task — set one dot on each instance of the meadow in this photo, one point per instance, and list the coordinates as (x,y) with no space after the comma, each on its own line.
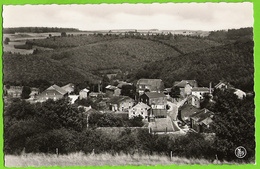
(81,159)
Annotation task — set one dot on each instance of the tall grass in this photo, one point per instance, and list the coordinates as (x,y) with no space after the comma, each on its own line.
(81,159)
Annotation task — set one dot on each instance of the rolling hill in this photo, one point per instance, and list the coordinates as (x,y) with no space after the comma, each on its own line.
(232,62)
(79,58)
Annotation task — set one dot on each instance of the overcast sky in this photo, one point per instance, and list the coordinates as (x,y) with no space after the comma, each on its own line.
(169,16)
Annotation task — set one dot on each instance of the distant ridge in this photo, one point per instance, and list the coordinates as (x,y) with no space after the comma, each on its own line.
(12,30)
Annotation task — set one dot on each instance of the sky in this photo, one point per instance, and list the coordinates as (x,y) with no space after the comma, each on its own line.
(168,16)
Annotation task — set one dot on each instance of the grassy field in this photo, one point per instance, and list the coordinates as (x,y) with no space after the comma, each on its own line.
(80,159)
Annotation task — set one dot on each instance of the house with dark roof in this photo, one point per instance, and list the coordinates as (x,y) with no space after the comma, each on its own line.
(120,103)
(200,91)
(151,85)
(139,109)
(201,120)
(157,101)
(54,92)
(122,83)
(69,88)
(186,86)
(186,111)
(112,91)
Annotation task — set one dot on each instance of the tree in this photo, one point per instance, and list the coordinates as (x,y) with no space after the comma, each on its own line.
(26,92)
(128,90)
(175,92)
(63,34)
(7,40)
(234,124)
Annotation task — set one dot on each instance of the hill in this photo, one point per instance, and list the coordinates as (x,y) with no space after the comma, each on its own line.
(76,64)
(232,62)
(38,29)
(170,57)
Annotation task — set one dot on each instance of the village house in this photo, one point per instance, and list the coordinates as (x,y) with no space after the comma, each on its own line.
(120,103)
(225,85)
(112,91)
(54,92)
(13,91)
(186,111)
(151,85)
(201,120)
(122,83)
(193,100)
(34,92)
(240,94)
(157,102)
(73,98)
(200,91)
(94,95)
(83,94)
(186,86)
(69,88)
(139,109)
(222,85)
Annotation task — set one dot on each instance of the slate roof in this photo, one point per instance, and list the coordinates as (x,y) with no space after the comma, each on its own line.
(142,105)
(57,88)
(183,83)
(203,116)
(68,85)
(154,94)
(198,89)
(188,110)
(118,99)
(154,83)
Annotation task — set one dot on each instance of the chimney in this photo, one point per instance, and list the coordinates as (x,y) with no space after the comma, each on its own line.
(210,88)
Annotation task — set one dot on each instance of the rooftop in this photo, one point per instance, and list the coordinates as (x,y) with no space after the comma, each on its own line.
(154,94)
(183,83)
(118,99)
(200,89)
(203,116)
(57,88)
(155,83)
(188,110)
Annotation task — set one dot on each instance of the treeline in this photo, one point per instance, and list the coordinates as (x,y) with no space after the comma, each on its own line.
(38,30)
(232,62)
(232,35)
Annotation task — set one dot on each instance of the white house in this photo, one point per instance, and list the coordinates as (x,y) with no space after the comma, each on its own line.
(83,94)
(139,109)
(200,91)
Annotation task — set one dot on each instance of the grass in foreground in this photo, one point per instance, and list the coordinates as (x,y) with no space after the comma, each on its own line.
(80,159)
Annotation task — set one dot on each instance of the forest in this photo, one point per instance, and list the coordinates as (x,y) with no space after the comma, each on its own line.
(223,55)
